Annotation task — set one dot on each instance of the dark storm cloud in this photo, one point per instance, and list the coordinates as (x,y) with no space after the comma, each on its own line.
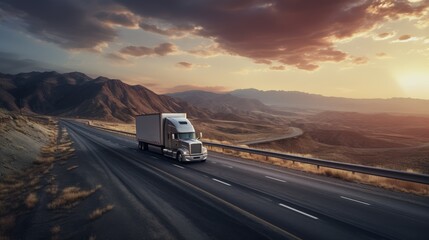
(286,32)
(69,23)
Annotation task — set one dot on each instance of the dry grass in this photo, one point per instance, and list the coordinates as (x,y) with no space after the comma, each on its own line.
(100,211)
(70,196)
(31,200)
(387,183)
(56,150)
(55,231)
(124,127)
(52,189)
(6,224)
(72,167)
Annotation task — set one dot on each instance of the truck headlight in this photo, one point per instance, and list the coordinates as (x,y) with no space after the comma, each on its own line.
(204,150)
(186,151)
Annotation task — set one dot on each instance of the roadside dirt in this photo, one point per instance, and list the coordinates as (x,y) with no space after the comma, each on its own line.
(21,139)
(40,195)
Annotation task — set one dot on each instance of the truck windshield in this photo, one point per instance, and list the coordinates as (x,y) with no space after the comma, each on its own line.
(186,136)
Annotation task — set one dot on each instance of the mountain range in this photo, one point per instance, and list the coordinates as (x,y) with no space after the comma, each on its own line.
(220,102)
(287,100)
(77,95)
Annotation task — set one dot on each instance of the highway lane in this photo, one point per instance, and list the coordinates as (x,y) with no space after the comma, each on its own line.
(255,200)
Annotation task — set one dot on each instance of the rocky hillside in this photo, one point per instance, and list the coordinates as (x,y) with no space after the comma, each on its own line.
(77,95)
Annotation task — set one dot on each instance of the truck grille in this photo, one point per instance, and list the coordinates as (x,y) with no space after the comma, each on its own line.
(196,148)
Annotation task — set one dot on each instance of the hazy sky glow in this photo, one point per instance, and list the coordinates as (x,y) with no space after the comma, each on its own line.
(359,49)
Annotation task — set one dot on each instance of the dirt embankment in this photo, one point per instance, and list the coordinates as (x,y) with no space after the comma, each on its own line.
(21,139)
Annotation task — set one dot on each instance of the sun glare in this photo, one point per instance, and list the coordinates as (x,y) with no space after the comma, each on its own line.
(414,84)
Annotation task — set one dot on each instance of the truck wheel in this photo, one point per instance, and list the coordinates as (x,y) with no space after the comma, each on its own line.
(140,146)
(179,156)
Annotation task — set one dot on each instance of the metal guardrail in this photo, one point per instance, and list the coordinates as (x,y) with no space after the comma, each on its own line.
(381,172)
(412,177)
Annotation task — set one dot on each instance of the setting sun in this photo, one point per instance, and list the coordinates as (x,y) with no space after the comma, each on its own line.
(414,84)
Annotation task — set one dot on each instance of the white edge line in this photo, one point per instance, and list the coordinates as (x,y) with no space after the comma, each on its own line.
(354,200)
(178,166)
(296,210)
(227,166)
(219,181)
(276,179)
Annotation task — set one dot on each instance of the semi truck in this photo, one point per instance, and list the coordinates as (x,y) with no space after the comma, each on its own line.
(173,133)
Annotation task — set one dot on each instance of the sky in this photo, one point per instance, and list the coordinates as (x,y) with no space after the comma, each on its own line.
(347,48)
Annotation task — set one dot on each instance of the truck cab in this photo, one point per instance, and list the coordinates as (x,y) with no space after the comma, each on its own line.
(181,141)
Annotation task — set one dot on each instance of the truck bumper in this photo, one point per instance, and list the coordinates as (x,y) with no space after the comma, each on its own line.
(199,157)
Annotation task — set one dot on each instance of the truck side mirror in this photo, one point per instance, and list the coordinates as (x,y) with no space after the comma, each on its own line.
(172,136)
(201,135)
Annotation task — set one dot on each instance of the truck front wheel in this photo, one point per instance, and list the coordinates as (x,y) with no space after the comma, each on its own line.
(179,156)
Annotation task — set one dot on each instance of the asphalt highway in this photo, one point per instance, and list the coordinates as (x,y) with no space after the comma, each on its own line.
(156,197)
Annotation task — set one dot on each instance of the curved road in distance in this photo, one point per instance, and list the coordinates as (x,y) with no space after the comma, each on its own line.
(231,198)
(294,132)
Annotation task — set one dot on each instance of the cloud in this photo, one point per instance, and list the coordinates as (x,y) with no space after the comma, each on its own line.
(116,57)
(177,31)
(279,67)
(187,65)
(13,63)
(359,60)
(160,50)
(405,38)
(296,33)
(68,23)
(383,36)
(207,51)
(381,55)
(184,65)
(124,19)
(302,34)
